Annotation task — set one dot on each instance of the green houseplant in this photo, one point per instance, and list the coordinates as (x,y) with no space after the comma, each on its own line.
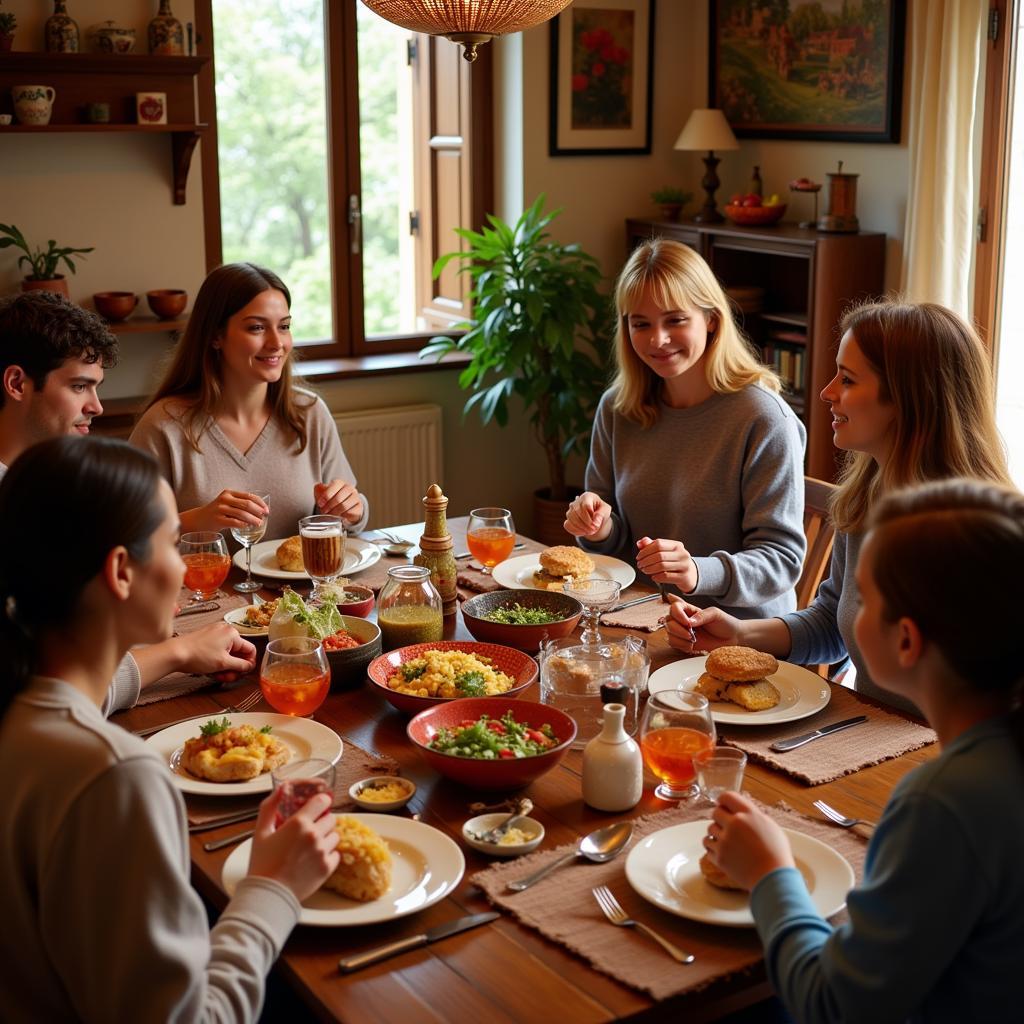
(541,331)
(671,200)
(8,23)
(42,263)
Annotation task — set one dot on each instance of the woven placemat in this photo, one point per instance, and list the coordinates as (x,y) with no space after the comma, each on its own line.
(882,737)
(563,909)
(649,617)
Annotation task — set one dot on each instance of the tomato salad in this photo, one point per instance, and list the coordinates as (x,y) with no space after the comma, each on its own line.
(341,640)
(492,738)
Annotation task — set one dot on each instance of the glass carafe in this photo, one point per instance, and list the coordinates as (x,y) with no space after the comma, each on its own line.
(409,608)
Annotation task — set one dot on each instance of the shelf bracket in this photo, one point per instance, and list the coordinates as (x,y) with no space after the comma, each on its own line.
(183,145)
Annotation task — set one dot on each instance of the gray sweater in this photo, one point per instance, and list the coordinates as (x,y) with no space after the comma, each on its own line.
(725,478)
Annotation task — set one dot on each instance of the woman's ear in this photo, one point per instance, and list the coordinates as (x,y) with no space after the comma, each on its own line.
(910,643)
(712,322)
(118,573)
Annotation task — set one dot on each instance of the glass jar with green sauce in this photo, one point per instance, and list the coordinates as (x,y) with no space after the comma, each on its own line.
(409,608)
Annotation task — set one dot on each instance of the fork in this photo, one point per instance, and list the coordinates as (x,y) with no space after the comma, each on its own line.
(840,819)
(612,909)
(245,704)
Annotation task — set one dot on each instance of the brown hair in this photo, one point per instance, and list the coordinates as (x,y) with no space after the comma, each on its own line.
(676,277)
(194,373)
(934,370)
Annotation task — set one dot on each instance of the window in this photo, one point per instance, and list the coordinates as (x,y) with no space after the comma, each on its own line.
(347,152)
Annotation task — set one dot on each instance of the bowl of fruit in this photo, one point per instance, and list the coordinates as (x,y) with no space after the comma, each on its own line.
(752,210)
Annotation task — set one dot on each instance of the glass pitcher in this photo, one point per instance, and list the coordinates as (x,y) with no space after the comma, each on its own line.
(409,608)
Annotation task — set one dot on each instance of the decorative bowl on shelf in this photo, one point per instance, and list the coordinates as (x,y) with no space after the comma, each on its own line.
(167,303)
(115,306)
(756,216)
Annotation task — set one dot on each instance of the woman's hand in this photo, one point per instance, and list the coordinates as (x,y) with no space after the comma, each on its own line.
(744,842)
(338,498)
(301,853)
(229,508)
(217,650)
(667,561)
(589,516)
(695,630)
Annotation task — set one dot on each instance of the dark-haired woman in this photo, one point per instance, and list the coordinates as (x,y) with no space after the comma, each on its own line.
(936,930)
(100,922)
(228,423)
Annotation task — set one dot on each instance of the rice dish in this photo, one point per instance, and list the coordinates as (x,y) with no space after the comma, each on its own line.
(450,674)
(364,872)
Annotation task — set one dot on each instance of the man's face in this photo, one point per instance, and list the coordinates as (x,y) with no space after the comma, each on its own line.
(67,401)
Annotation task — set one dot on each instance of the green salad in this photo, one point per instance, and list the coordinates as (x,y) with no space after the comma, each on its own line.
(491,739)
(517,615)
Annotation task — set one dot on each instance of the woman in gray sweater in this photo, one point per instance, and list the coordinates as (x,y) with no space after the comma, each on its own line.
(696,462)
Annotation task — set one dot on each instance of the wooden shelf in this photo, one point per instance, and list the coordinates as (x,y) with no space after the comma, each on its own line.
(100,63)
(157,129)
(794,319)
(147,325)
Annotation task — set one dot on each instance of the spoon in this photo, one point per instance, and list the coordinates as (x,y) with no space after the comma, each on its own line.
(399,548)
(600,845)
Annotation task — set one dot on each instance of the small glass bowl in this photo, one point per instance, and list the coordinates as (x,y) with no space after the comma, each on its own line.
(482,822)
(358,790)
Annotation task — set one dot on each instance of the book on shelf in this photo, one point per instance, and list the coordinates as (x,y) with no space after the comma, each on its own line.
(788,361)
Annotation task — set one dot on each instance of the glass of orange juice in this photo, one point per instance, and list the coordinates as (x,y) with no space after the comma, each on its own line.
(675,727)
(294,675)
(207,564)
(490,536)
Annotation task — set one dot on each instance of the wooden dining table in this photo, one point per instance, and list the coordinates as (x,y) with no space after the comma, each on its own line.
(502,971)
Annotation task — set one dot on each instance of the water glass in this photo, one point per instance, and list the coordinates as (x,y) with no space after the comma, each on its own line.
(300,781)
(675,728)
(719,770)
(247,536)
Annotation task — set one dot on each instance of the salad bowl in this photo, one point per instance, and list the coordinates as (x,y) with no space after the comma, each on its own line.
(525,635)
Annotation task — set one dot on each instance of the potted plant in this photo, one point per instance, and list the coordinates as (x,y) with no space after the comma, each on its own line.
(8,23)
(671,200)
(43,263)
(541,331)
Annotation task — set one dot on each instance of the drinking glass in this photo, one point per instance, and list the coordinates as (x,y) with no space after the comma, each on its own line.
(294,675)
(490,536)
(300,781)
(719,770)
(674,729)
(247,536)
(323,549)
(596,596)
(207,564)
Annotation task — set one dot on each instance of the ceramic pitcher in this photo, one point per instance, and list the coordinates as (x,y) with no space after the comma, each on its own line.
(33,104)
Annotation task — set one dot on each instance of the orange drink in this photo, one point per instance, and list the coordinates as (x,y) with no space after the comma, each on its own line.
(205,572)
(490,545)
(675,728)
(294,688)
(669,753)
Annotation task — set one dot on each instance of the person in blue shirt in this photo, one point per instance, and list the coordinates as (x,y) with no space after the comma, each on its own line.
(936,928)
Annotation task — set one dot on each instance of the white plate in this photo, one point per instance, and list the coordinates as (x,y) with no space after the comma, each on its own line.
(801,693)
(359,555)
(302,736)
(427,865)
(236,617)
(664,869)
(517,573)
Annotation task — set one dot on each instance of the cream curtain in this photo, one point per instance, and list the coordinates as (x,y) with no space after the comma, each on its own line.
(946,39)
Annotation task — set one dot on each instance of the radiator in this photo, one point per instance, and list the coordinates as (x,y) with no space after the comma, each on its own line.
(396,455)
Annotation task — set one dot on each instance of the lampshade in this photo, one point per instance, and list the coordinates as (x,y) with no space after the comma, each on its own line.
(706,130)
(469,22)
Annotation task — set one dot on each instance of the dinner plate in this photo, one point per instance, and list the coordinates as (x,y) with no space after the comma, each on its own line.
(303,737)
(517,573)
(359,555)
(801,693)
(426,866)
(663,868)
(236,617)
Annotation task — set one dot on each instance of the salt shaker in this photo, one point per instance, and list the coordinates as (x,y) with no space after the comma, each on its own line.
(613,777)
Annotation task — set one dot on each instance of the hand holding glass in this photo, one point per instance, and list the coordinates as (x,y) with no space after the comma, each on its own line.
(247,536)
(490,536)
(205,555)
(719,770)
(300,781)
(294,676)
(675,728)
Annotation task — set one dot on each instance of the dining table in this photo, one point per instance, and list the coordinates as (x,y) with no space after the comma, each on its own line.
(502,971)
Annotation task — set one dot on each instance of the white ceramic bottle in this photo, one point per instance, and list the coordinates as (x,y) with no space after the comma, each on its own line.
(613,777)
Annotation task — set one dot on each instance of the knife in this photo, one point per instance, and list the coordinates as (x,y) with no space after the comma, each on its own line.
(442,931)
(781,746)
(636,600)
(224,819)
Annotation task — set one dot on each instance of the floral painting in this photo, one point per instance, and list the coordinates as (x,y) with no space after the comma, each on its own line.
(602,68)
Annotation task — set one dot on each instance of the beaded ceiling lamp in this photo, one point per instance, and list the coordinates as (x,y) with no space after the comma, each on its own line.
(468,22)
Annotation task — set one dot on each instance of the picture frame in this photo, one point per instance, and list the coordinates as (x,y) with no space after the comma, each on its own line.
(830,71)
(602,78)
(151,107)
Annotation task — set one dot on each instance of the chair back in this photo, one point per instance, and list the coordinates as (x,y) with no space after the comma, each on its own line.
(819,531)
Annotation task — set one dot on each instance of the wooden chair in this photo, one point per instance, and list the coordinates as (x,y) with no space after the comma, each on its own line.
(819,531)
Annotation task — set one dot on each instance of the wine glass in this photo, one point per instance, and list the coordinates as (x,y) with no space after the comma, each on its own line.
(675,727)
(207,564)
(247,536)
(597,596)
(294,675)
(490,536)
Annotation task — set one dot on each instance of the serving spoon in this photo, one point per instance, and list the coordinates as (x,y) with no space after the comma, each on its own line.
(600,845)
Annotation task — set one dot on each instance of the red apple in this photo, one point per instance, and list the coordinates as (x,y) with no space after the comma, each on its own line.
(737,199)
(752,199)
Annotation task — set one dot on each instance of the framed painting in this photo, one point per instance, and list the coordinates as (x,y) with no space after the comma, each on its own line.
(829,70)
(602,54)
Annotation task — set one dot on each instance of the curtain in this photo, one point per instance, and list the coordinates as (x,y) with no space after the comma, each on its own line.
(946,39)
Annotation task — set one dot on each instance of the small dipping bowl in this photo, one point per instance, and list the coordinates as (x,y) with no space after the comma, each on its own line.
(357,601)
(358,791)
(482,822)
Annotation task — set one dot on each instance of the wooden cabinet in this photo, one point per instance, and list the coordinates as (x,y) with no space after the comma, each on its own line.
(81,78)
(793,285)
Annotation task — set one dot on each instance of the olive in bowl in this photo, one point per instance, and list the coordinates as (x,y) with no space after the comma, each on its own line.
(521,618)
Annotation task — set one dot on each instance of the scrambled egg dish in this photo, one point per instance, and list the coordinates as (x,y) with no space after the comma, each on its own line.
(226,753)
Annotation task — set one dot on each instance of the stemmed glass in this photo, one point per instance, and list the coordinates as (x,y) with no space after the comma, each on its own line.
(247,536)
(207,565)
(490,536)
(675,728)
(596,596)
(323,549)
(294,675)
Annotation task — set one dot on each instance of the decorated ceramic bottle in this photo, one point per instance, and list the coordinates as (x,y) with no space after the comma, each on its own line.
(61,31)
(436,548)
(613,775)
(166,36)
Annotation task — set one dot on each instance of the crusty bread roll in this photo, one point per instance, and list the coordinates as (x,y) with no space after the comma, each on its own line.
(756,696)
(740,664)
(716,876)
(289,555)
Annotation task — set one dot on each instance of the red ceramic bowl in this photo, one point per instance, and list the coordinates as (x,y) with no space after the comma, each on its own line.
(501,774)
(520,667)
(358,601)
(755,215)
(526,638)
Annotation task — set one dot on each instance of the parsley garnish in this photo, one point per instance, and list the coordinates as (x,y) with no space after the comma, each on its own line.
(213,727)
(267,728)
(472,684)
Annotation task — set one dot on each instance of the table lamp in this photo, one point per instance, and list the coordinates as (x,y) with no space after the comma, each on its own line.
(707,130)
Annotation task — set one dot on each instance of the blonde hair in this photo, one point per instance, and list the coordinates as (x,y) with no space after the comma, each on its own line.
(934,370)
(676,277)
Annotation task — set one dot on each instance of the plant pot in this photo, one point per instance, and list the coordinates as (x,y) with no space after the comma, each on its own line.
(6,41)
(56,284)
(671,211)
(549,517)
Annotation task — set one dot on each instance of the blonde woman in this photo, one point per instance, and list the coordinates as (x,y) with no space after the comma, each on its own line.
(696,462)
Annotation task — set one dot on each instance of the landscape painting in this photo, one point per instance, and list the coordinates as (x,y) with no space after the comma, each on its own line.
(827,69)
